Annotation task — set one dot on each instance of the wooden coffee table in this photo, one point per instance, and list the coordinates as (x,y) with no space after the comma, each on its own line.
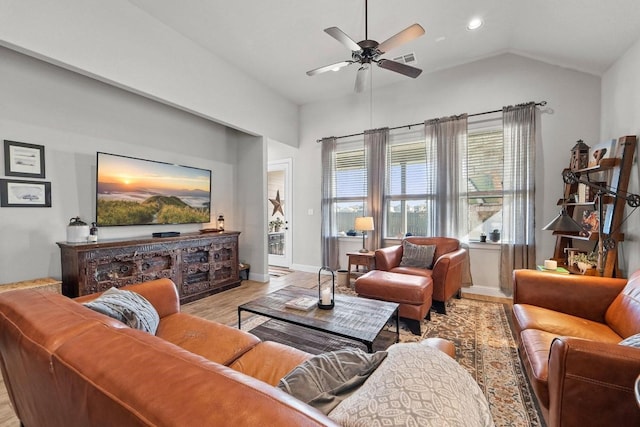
(359,319)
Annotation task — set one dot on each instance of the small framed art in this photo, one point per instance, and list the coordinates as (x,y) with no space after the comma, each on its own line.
(25,194)
(24,160)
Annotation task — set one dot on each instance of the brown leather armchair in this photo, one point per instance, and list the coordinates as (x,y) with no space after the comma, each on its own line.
(568,329)
(446,273)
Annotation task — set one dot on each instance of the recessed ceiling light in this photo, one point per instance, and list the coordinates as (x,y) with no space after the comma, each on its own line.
(474,24)
(441,39)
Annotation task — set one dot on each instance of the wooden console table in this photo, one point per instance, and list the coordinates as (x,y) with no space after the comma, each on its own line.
(366,259)
(200,264)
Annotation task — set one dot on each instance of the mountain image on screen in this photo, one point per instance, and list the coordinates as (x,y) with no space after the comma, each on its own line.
(134,191)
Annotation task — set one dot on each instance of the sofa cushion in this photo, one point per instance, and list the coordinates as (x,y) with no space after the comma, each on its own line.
(130,308)
(533,317)
(325,380)
(217,342)
(416,385)
(417,255)
(269,361)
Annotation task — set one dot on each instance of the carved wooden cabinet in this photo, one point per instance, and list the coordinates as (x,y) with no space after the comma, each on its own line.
(199,264)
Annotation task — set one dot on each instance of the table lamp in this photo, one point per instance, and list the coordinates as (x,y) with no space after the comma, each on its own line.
(364,224)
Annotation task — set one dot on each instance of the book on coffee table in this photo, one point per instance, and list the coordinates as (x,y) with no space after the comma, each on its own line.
(302,303)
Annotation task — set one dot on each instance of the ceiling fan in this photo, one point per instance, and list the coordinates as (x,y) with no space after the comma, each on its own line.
(367,51)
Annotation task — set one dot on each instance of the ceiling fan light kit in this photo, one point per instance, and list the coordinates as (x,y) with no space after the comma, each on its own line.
(368,51)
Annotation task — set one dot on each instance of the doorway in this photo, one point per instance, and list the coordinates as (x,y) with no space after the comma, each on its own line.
(279,213)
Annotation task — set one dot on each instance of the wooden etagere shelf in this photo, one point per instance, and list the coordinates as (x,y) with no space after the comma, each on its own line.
(614,173)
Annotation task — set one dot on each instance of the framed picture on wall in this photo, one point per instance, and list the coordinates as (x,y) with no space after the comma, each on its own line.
(22,159)
(25,194)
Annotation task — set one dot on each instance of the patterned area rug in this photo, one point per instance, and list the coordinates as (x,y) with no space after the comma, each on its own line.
(485,346)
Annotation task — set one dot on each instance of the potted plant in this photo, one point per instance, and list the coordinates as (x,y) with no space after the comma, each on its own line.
(585,261)
(275,224)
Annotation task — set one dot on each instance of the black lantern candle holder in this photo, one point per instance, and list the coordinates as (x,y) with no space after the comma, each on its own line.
(326,290)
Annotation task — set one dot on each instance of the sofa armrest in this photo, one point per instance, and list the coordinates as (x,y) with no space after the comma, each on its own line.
(591,383)
(161,293)
(582,296)
(388,258)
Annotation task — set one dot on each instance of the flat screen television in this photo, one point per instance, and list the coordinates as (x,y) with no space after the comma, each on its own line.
(131,191)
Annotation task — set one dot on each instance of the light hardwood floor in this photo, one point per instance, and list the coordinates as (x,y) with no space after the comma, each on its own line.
(220,307)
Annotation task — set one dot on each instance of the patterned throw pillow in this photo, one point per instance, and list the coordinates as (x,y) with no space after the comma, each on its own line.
(130,308)
(632,341)
(417,255)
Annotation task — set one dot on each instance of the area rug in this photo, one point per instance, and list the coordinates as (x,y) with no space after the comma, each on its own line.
(485,346)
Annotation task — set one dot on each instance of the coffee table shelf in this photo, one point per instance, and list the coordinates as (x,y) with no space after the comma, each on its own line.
(359,319)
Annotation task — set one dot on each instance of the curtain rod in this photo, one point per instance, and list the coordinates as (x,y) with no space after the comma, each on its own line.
(537,104)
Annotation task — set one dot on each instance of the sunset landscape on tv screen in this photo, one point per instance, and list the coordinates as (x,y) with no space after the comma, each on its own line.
(133,191)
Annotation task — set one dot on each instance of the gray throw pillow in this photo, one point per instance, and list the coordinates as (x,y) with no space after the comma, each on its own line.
(130,308)
(632,341)
(417,255)
(327,379)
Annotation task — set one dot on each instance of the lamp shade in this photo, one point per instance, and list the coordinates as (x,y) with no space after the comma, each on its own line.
(364,223)
(563,222)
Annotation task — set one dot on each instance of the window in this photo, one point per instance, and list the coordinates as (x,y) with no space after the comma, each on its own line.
(484,164)
(408,194)
(349,184)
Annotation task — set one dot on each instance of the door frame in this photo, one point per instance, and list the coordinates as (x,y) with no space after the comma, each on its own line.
(285,165)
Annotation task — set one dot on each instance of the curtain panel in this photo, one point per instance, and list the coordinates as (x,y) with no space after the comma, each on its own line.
(446,145)
(330,254)
(518,225)
(375,143)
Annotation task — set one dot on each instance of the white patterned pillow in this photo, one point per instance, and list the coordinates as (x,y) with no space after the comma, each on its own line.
(632,341)
(417,255)
(416,385)
(130,308)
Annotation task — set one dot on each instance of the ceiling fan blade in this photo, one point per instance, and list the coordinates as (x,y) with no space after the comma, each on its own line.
(332,67)
(402,37)
(364,74)
(339,35)
(398,67)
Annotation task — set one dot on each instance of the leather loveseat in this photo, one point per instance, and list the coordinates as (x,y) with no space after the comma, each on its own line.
(446,272)
(66,365)
(569,329)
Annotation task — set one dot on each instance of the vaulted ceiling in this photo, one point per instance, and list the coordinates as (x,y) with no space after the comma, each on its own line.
(277,41)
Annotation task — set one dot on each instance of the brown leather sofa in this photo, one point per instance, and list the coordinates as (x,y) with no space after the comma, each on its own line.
(446,273)
(66,365)
(569,328)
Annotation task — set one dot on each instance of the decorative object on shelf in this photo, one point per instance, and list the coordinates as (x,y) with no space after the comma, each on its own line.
(483,238)
(77,231)
(221,222)
(275,225)
(603,150)
(550,264)
(25,194)
(579,155)
(352,233)
(326,290)
(22,159)
(495,235)
(563,222)
(364,224)
(93,233)
(277,204)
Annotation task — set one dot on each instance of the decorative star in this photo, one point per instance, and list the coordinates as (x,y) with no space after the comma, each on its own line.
(277,204)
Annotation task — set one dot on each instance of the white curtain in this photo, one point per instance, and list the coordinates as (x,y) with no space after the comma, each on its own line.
(375,145)
(446,145)
(518,228)
(330,254)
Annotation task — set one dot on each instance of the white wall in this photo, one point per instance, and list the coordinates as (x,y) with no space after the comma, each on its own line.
(621,116)
(573,112)
(116,42)
(73,116)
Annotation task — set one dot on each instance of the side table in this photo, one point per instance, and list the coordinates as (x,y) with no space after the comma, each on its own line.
(366,259)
